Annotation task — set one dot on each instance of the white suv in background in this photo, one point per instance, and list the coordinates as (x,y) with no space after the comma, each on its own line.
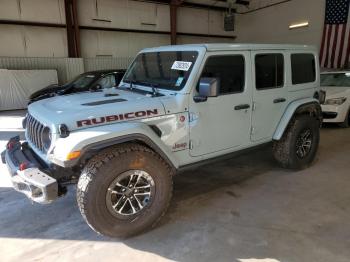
(336,108)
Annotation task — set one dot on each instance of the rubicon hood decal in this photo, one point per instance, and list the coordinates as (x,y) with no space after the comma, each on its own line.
(71,111)
(114,118)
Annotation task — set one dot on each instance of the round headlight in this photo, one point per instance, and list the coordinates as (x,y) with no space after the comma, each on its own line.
(46,138)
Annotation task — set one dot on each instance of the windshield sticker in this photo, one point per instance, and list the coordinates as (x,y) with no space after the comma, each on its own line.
(181,65)
(179,81)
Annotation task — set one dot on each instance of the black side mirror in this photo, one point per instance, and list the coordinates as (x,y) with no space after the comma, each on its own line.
(208,87)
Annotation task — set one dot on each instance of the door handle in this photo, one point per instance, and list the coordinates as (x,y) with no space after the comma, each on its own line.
(279,100)
(241,107)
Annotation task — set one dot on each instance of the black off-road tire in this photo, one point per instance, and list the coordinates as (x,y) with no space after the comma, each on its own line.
(285,150)
(104,168)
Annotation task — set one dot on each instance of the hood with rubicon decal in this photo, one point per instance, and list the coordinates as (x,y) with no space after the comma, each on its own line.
(90,109)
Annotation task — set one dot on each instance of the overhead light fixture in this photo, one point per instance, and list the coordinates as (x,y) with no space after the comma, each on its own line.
(298,25)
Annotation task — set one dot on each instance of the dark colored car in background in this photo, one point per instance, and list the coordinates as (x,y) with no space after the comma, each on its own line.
(89,81)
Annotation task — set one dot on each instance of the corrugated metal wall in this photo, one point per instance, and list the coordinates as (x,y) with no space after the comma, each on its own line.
(67,68)
(100,63)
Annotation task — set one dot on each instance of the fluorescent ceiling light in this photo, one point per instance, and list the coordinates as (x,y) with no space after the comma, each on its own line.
(298,25)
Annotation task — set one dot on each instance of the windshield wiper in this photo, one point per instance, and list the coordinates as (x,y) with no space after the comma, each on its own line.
(152,85)
(155,91)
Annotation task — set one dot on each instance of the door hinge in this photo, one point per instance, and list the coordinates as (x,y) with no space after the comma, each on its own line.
(252,130)
(190,144)
(253,106)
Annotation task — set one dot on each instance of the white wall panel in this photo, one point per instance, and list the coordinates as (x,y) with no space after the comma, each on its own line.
(192,20)
(11,41)
(29,41)
(216,24)
(201,40)
(148,16)
(9,9)
(32,41)
(202,21)
(45,42)
(124,14)
(100,63)
(118,44)
(48,11)
(140,41)
(104,43)
(163,17)
(271,25)
(115,11)
(66,68)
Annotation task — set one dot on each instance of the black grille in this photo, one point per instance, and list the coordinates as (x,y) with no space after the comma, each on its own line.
(329,115)
(34,132)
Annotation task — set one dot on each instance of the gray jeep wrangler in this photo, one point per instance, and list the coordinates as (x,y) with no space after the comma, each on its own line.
(177,106)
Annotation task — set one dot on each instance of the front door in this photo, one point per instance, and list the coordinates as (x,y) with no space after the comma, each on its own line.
(223,122)
(270,96)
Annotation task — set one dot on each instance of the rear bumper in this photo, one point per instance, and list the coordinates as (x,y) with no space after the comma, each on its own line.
(27,174)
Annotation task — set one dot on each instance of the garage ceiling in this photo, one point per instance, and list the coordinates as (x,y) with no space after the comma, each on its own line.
(240,5)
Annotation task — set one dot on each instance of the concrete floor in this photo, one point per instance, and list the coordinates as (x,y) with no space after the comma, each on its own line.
(244,209)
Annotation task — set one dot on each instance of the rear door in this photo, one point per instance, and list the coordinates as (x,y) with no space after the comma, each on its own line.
(270,95)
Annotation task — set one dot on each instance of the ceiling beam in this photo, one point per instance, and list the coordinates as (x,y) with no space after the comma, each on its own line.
(264,7)
(238,2)
(98,28)
(189,4)
(242,2)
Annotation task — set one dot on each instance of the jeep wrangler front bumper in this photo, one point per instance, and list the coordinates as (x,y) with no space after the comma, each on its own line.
(27,174)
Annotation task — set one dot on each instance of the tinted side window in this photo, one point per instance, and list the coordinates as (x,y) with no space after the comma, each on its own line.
(119,77)
(229,70)
(269,71)
(303,68)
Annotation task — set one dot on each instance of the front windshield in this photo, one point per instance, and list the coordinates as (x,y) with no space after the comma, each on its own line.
(83,81)
(335,79)
(168,70)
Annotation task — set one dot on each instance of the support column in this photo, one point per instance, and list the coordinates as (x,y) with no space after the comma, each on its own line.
(69,28)
(76,28)
(72,26)
(174,4)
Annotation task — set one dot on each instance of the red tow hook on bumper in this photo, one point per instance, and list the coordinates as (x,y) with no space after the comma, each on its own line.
(10,145)
(23,166)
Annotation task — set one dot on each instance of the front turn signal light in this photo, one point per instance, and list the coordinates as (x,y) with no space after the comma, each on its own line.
(73,155)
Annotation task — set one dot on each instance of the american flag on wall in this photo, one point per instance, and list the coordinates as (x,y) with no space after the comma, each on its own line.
(335,46)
